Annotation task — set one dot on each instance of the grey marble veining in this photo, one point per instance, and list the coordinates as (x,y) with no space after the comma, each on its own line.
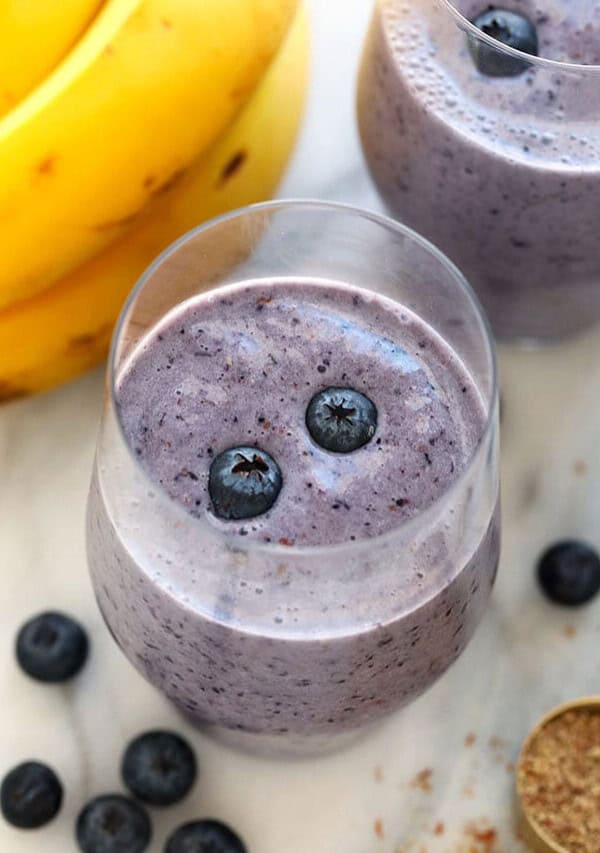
(436,778)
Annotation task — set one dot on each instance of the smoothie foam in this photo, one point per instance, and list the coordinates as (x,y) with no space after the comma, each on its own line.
(240,367)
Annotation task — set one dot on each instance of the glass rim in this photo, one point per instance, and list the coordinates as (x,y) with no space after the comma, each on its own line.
(543,61)
(385,222)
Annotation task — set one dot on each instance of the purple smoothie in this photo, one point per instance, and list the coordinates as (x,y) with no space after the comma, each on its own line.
(238,366)
(501,173)
(241,368)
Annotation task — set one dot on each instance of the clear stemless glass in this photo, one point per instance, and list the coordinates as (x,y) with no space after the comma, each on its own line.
(295,649)
(500,168)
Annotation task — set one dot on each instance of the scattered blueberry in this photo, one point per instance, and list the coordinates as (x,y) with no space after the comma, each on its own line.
(243,482)
(204,836)
(113,824)
(569,573)
(510,28)
(159,768)
(341,419)
(52,647)
(31,795)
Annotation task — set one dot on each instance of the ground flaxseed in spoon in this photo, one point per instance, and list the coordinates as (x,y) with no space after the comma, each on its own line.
(559,780)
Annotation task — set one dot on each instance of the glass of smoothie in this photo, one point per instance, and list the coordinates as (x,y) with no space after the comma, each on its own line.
(480,123)
(293,523)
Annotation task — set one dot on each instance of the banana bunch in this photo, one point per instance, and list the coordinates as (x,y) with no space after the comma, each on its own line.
(164,113)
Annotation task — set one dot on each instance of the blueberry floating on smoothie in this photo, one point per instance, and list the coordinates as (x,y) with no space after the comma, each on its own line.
(509,28)
(159,768)
(52,647)
(31,795)
(243,482)
(341,419)
(569,573)
(205,836)
(113,824)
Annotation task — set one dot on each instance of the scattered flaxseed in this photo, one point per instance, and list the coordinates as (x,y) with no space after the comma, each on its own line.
(570,631)
(559,779)
(423,780)
(438,829)
(483,835)
(378,827)
(486,836)
(470,739)
(580,468)
(378,774)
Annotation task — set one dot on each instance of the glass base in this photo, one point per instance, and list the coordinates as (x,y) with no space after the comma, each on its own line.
(283,746)
(287,746)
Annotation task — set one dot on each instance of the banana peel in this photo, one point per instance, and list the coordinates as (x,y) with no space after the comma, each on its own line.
(55,336)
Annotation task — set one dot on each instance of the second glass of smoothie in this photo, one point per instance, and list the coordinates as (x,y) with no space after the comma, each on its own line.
(293,520)
(493,151)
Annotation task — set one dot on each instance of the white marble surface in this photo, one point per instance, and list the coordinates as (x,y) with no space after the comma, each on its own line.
(526,657)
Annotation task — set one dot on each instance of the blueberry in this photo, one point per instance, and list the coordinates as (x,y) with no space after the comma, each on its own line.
(243,482)
(31,795)
(341,419)
(509,28)
(569,573)
(204,836)
(113,824)
(51,647)
(159,768)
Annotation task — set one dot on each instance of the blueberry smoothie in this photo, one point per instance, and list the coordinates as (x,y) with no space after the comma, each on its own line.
(493,158)
(306,424)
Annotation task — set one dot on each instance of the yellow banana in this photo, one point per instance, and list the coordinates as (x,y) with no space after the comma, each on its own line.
(63,331)
(35,37)
(147,89)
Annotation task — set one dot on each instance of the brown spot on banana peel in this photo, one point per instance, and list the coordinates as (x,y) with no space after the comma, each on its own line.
(149,181)
(233,165)
(95,340)
(169,183)
(10,392)
(111,224)
(242,92)
(46,166)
